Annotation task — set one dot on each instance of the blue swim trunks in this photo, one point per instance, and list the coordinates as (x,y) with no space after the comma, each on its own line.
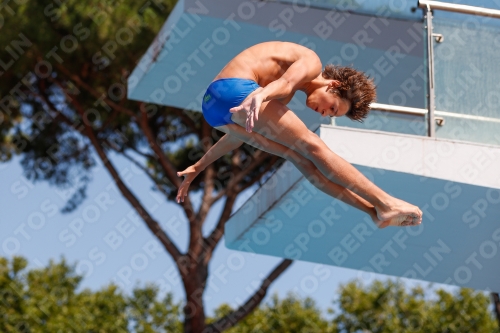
(222,95)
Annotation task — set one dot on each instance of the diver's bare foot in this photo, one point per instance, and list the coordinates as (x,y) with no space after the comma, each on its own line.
(398,213)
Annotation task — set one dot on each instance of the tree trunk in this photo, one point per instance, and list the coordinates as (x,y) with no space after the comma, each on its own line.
(194,285)
(496,306)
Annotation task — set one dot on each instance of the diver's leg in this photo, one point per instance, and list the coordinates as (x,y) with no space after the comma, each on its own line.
(279,124)
(304,165)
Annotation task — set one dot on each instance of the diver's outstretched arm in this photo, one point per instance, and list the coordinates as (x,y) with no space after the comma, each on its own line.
(226,144)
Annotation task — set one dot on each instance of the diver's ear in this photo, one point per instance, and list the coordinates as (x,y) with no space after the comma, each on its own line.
(334,84)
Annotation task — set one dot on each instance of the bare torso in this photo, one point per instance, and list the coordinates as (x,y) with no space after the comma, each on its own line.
(265,63)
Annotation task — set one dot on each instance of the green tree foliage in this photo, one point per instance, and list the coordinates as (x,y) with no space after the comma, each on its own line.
(288,315)
(66,64)
(48,300)
(149,315)
(384,307)
(380,307)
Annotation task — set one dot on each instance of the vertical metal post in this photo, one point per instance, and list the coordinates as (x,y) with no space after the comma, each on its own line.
(431,122)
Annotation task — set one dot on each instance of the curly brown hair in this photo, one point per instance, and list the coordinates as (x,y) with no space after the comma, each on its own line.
(356,87)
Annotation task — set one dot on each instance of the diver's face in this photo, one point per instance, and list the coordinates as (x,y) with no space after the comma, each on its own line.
(328,103)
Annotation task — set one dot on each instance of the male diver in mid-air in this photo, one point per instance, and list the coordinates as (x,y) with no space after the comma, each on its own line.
(247,101)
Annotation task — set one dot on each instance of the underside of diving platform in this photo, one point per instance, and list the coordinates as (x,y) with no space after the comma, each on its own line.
(456,185)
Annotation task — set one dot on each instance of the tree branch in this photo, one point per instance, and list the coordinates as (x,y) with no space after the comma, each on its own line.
(257,177)
(259,157)
(135,150)
(94,92)
(208,179)
(43,96)
(215,236)
(152,224)
(166,165)
(155,180)
(217,233)
(235,316)
(184,117)
(110,118)
(194,225)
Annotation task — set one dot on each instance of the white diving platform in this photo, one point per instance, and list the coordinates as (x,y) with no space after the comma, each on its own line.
(456,185)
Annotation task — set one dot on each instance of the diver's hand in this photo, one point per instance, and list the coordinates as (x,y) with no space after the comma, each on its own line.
(252,106)
(189,175)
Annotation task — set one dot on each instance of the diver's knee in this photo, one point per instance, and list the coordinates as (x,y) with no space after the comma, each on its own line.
(311,146)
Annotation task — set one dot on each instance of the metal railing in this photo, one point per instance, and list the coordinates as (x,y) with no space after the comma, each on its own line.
(464,9)
(405,110)
(433,116)
(423,112)
(429,6)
